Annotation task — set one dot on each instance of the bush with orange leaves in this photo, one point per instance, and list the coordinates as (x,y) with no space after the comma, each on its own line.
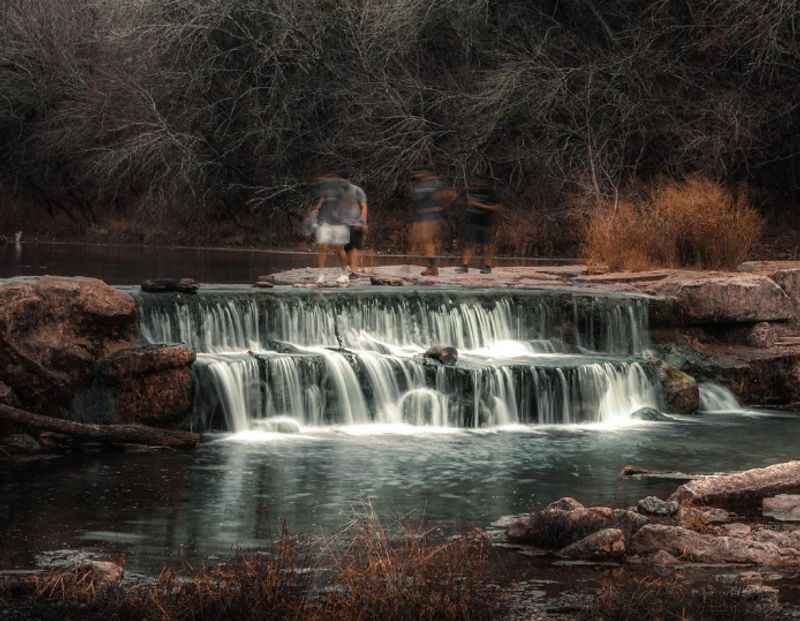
(693,223)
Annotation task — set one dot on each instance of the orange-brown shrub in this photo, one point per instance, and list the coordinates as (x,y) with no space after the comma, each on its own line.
(692,223)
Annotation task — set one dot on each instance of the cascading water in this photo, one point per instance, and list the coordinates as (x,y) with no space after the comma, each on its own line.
(533,357)
(716,398)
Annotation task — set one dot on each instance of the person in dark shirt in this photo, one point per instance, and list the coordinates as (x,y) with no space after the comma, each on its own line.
(482,205)
(354,214)
(431,197)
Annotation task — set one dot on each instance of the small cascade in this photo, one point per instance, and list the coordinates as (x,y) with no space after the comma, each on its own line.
(237,382)
(716,398)
(268,358)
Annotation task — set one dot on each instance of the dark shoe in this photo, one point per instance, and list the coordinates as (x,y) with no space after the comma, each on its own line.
(354,275)
(486,269)
(430,271)
(462,269)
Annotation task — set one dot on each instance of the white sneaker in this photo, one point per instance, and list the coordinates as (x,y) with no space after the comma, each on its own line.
(344,278)
(320,279)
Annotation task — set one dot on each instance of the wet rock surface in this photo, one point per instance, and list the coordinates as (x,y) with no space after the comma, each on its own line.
(52,333)
(151,384)
(606,544)
(680,390)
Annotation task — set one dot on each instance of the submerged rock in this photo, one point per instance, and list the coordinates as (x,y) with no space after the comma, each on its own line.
(650,414)
(53,331)
(278,424)
(655,506)
(783,507)
(749,486)
(603,545)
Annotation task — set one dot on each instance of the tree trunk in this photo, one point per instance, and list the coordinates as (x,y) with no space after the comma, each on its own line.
(108,434)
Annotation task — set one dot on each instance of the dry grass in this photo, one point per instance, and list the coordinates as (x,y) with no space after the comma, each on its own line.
(695,223)
(372,577)
(656,599)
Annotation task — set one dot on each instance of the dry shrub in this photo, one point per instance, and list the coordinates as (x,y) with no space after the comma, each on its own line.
(672,599)
(368,576)
(694,223)
(412,578)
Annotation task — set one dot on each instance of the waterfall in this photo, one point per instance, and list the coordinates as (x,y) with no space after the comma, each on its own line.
(272,359)
(716,398)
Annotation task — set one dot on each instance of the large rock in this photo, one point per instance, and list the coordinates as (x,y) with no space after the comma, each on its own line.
(556,528)
(749,486)
(680,390)
(52,332)
(705,548)
(728,298)
(606,544)
(783,507)
(655,506)
(150,384)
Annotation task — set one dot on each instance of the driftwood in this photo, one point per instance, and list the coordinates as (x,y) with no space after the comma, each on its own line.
(107,434)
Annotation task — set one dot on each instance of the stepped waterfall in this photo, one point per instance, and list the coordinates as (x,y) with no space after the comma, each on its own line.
(330,357)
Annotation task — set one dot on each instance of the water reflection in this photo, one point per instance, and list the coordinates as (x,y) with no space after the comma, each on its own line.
(235,492)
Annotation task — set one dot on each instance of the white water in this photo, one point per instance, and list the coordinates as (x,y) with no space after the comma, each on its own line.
(716,398)
(512,370)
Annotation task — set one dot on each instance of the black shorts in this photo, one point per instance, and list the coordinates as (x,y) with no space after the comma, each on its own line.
(356,239)
(478,229)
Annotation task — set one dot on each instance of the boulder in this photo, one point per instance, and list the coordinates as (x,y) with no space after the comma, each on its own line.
(170,285)
(444,355)
(704,548)
(565,504)
(151,384)
(555,528)
(728,298)
(53,331)
(604,545)
(783,507)
(680,391)
(629,521)
(750,486)
(655,506)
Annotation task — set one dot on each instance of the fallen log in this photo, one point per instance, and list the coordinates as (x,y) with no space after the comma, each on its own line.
(107,434)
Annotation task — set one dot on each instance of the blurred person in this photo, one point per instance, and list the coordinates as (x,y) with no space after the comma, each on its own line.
(482,206)
(431,198)
(326,217)
(354,210)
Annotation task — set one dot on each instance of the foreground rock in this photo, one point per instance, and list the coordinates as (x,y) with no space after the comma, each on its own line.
(151,384)
(747,487)
(604,545)
(53,331)
(655,506)
(705,548)
(784,507)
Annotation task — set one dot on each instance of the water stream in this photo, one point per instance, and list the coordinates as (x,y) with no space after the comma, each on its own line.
(355,358)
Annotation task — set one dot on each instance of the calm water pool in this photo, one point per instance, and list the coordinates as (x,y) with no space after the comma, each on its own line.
(235,491)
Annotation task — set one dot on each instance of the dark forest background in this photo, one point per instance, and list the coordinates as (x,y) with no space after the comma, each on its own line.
(202,120)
